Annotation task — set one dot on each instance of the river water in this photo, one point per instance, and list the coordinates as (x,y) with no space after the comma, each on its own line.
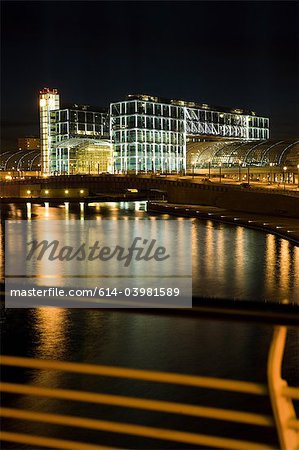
(228,262)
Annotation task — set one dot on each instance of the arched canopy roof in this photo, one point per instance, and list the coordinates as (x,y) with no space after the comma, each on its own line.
(76,142)
(20,160)
(259,153)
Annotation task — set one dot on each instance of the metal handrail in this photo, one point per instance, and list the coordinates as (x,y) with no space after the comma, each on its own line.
(283,408)
(137,374)
(45,442)
(280,394)
(135,430)
(138,403)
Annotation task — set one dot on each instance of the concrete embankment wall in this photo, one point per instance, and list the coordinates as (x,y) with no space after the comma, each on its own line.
(238,200)
(235,198)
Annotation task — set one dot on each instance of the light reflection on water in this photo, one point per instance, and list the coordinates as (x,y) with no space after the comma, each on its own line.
(228,261)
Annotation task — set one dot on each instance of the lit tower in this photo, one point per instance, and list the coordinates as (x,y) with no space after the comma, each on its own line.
(48,100)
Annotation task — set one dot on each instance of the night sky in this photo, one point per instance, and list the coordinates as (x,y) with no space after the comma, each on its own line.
(239,54)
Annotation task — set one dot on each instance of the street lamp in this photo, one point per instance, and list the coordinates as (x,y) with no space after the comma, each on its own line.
(209,169)
(193,165)
(284,177)
(220,172)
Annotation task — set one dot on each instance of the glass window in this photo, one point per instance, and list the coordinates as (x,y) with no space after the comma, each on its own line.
(180,113)
(157,110)
(157,137)
(165,124)
(202,116)
(81,116)
(165,110)
(150,109)
(140,121)
(63,116)
(89,117)
(140,136)
(115,109)
(141,106)
(150,123)
(63,128)
(174,112)
(131,136)
(130,107)
(157,123)
(73,128)
(122,108)
(131,122)
(73,116)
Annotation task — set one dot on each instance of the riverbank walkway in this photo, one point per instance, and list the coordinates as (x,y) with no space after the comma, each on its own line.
(285,227)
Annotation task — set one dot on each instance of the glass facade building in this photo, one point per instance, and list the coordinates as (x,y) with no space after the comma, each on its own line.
(76,122)
(148,136)
(94,157)
(150,133)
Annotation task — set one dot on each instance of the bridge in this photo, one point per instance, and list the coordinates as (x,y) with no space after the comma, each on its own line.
(180,190)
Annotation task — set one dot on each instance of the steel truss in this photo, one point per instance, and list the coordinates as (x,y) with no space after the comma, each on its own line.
(198,122)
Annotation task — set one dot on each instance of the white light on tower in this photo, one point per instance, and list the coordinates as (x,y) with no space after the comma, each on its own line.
(48,101)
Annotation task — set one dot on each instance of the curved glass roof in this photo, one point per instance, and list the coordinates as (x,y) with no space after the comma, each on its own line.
(259,153)
(76,142)
(20,160)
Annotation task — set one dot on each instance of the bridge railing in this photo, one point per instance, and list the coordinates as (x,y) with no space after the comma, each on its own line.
(281,395)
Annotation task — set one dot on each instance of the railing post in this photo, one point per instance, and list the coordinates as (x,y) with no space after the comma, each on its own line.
(282,406)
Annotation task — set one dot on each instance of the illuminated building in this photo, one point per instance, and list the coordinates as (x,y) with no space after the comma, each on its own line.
(148,134)
(70,129)
(151,134)
(83,156)
(96,156)
(48,101)
(28,143)
(93,157)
